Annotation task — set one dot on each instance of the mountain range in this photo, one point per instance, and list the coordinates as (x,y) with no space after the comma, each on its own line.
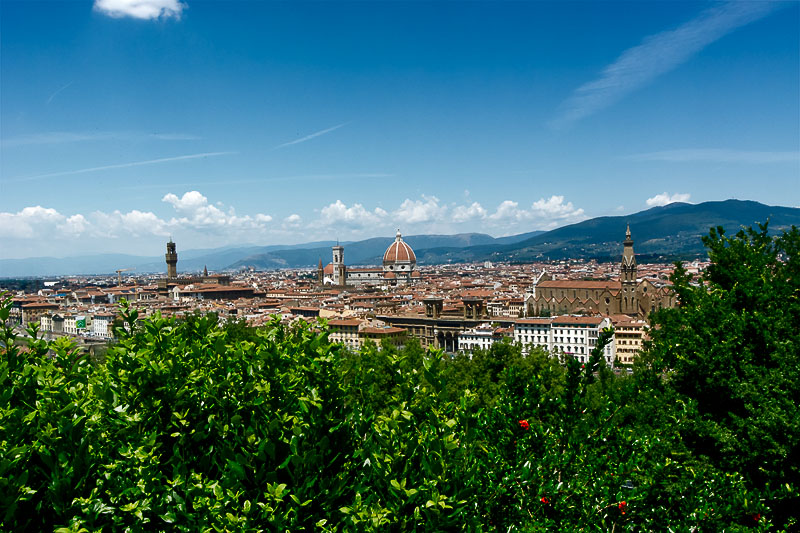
(669,232)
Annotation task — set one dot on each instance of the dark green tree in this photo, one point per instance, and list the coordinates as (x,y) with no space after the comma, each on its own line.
(732,351)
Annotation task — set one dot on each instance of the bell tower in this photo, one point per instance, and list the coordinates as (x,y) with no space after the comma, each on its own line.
(627,275)
(339,275)
(172,260)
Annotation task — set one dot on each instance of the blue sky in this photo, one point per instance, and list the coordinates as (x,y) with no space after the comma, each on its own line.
(123,122)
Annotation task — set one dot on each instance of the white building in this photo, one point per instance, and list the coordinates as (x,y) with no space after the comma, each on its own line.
(577,336)
(482,336)
(46,323)
(567,335)
(101,325)
(75,324)
(533,332)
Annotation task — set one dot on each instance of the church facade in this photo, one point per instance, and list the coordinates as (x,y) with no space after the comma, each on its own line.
(625,296)
(399,268)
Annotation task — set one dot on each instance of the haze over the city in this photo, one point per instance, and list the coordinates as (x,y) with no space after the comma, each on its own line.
(123,122)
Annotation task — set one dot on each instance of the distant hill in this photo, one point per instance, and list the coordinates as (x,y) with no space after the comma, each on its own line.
(670,232)
(232,257)
(188,261)
(369,251)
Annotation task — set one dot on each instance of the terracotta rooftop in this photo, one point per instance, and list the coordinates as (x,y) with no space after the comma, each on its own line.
(578,284)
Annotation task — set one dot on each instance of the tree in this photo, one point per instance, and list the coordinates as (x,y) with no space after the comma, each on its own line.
(732,350)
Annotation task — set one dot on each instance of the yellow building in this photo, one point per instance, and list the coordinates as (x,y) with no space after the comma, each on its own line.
(629,335)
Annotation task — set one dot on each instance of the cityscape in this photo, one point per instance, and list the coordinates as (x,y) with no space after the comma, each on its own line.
(450,307)
(399,266)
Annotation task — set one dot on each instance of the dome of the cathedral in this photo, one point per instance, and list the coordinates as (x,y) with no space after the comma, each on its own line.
(399,255)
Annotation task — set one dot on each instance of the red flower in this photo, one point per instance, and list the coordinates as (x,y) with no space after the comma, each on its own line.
(757,517)
(524,425)
(545,500)
(622,506)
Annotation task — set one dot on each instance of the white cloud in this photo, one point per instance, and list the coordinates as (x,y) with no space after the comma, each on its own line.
(199,222)
(194,215)
(555,208)
(543,213)
(134,223)
(30,222)
(415,211)
(197,213)
(465,213)
(140,9)
(75,225)
(292,221)
(356,216)
(658,54)
(664,198)
(509,210)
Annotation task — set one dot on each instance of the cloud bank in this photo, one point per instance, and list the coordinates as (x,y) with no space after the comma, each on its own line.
(198,222)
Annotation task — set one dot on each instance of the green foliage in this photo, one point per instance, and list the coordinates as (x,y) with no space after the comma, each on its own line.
(202,425)
(732,350)
(486,372)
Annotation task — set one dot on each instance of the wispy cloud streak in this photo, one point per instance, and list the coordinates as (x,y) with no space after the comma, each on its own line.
(658,54)
(312,136)
(717,155)
(121,165)
(56,137)
(307,177)
(56,93)
(60,137)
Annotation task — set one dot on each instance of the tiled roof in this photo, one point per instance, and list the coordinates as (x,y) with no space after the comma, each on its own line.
(578,284)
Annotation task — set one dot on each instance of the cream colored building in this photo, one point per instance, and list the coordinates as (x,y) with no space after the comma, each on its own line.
(345,331)
(629,336)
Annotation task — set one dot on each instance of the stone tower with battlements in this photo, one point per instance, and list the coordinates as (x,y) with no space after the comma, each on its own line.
(172,260)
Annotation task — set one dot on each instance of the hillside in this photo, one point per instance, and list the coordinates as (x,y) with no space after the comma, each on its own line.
(671,232)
